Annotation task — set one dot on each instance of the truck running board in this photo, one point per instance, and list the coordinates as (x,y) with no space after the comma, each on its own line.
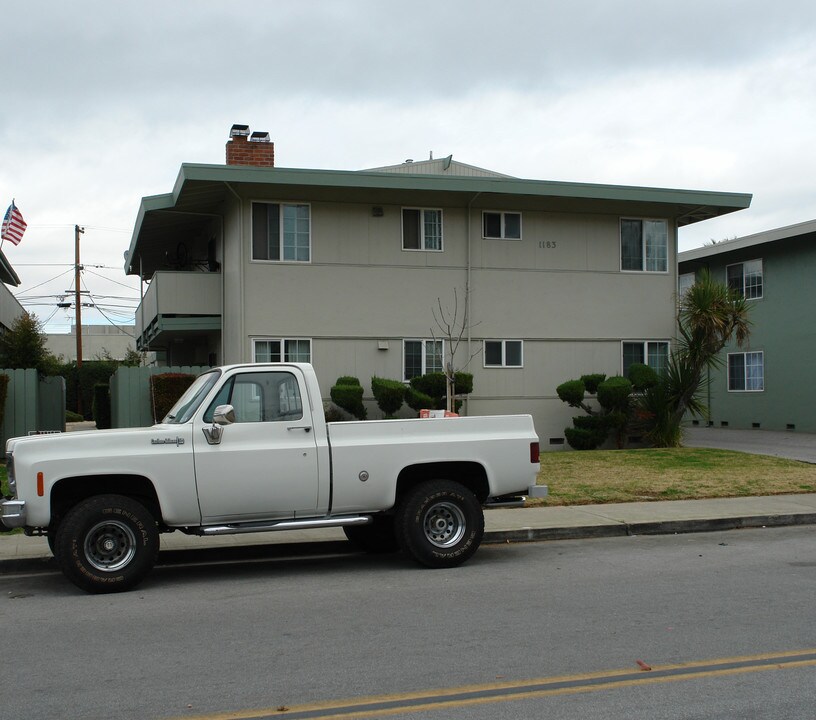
(307,524)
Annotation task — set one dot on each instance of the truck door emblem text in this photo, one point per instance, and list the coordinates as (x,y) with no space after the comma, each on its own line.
(167,441)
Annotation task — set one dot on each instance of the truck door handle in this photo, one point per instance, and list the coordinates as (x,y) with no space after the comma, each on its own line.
(306,428)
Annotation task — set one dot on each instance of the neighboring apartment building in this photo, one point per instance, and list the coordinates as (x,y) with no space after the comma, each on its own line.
(248,262)
(766,383)
(10,309)
(99,342)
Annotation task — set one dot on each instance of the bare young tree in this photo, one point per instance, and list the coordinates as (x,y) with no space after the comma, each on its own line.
(452,327)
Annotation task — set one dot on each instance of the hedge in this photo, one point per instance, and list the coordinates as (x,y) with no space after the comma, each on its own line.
(347,393)
(165,390)
(102,406)
(389,395)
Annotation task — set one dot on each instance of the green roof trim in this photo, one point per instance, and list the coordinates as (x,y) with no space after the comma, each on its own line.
(198,187)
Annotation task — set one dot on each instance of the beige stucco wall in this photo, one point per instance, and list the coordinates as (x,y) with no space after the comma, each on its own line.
(559,289)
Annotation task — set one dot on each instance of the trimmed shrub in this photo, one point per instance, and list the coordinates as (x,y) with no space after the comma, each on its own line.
(389,395)
(613,394)
(102,406)
(4,381)
(588,433)
(642,377)
(348,380)
(592,381)
(71,416)
(417,400)
(433,387)
(347,394)
(165,390)
(572,392)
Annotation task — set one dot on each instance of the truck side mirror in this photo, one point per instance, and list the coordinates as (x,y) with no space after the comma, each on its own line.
(224,415)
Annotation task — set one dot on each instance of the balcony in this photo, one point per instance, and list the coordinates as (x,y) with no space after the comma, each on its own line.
(178,305)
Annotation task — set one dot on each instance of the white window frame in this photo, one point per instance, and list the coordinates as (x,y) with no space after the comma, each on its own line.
(745,366)
(503,363)
(281,240)
(645,344)
(742,272)
(422,238)
(683,284)
(425,369)
(282,349)
(503,232)
(643,254)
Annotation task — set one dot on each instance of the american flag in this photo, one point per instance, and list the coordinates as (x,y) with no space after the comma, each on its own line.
(13,225)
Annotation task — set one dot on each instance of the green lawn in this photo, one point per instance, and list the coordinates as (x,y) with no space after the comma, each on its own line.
(608,476)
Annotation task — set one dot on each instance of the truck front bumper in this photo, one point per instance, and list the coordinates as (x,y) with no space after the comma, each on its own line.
(13,513)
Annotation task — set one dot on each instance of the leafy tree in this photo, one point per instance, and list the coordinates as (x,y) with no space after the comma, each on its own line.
(23,346)
(710,315)
(133,358)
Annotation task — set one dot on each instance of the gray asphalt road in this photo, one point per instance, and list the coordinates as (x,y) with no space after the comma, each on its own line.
(255,637)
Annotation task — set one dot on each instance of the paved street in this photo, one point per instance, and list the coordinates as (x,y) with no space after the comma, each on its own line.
(251,637)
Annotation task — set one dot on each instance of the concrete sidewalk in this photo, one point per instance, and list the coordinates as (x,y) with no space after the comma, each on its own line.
(19,553)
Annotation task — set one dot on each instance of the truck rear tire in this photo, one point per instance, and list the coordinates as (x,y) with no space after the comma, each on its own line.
(107,543)
(376,538)
(440,523)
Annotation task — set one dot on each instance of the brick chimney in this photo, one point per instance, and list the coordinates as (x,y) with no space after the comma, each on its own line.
(245,149)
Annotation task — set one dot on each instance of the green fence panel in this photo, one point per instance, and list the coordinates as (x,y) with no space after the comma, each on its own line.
(21,403)
(130,393)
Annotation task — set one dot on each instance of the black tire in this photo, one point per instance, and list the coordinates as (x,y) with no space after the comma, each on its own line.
(440,524)
(107,543)
(52,539)
(376,538)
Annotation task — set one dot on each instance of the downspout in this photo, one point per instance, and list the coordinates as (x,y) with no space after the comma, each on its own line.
(242,304)
(468,284)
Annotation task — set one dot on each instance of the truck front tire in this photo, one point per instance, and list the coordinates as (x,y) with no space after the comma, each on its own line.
(440,523)
(107,543)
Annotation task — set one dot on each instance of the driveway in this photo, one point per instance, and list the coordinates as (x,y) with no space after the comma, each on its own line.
(792,445)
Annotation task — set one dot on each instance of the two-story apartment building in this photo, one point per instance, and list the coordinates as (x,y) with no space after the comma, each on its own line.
(764,384)
(249,262)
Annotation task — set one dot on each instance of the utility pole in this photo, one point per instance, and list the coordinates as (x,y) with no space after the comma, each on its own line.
(78,302)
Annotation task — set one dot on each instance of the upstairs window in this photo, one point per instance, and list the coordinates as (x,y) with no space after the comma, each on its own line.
(281,350)
(421,357)
(421,229)
(745,278)
(644,245)
(655,354)
(281,232)
(503,353)
(746,371)
(501,225)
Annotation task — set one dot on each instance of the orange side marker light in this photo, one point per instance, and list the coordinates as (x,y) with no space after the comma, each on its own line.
(40,485)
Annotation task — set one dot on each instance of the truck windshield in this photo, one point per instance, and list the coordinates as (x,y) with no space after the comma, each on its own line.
(188,403)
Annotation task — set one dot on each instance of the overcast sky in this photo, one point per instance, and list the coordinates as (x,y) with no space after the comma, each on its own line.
(102,102)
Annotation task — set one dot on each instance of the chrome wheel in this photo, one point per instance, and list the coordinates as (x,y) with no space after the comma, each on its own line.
(444,524)
(110,545)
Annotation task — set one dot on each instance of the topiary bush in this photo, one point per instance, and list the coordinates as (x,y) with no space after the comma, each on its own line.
(389,395)
(642,377)
(592,381)
(102,406)
(433,387)
(165,390)
(347,393)
(417,400)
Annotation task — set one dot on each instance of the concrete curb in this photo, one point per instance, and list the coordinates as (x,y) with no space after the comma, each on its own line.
(340,547)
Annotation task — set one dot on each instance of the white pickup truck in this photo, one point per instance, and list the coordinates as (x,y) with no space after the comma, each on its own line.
(247,449)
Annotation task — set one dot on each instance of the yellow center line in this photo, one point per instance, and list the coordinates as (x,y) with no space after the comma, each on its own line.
(399,703)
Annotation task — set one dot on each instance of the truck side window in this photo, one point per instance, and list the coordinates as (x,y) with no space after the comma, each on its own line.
(260,397)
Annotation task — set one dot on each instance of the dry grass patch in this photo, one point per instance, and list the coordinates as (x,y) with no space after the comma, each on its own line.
(609,476)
